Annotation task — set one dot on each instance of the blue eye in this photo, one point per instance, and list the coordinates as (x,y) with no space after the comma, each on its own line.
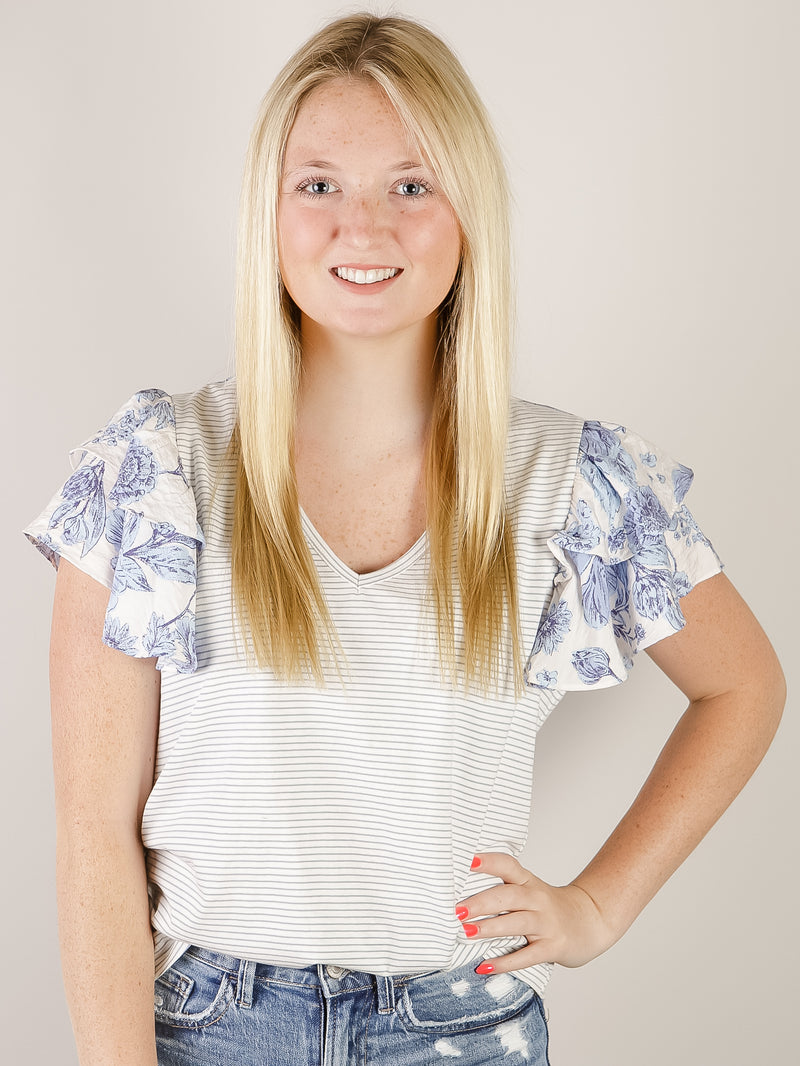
(316,187)
(413,189)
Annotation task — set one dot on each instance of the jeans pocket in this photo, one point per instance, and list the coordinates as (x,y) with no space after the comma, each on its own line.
(457,1002)
(192,994)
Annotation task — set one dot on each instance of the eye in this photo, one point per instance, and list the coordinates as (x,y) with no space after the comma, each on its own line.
(413,189)
(316,187)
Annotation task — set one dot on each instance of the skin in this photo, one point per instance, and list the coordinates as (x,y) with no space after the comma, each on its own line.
(365,392)
(104,726)
(362,351)
(366,389)
(722,661)
(356,191)
(363,414)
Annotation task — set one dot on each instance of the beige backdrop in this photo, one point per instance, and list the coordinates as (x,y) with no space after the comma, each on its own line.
(653,150)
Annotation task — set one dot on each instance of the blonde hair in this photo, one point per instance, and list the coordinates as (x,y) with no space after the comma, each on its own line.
(277,598)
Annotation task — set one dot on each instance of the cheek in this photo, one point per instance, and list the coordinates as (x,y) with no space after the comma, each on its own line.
(440,244)
(300,235)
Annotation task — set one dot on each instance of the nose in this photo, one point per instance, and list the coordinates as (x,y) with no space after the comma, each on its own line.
(362,220)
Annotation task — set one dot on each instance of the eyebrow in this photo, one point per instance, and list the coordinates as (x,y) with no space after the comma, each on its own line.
(326,164)
(319,164)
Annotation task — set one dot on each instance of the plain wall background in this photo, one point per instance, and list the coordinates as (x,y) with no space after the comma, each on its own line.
(653,151)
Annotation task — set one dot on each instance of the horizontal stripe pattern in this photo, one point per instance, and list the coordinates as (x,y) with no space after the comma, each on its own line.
(291,824)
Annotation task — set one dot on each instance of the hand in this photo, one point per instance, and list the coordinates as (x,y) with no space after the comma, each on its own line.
(561,924)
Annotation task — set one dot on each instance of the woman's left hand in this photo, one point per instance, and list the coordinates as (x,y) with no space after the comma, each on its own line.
(562,924)
(722,661)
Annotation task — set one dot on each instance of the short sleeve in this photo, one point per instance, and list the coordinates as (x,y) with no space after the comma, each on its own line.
(126,516)
(628,554)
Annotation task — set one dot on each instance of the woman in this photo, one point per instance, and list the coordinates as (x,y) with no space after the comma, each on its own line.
(313,812)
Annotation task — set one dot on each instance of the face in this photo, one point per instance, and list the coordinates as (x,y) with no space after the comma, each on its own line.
(369,244)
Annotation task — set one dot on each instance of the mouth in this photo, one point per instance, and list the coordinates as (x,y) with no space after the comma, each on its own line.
(369,276)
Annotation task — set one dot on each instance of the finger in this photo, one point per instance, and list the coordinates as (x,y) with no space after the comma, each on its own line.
(498,864)
(532,955)
(516,923)
(493,901)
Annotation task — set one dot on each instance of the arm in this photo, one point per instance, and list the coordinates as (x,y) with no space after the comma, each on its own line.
(105,720)
(724,664)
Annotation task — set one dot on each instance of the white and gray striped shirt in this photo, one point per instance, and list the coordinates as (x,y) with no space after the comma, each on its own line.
(297,824)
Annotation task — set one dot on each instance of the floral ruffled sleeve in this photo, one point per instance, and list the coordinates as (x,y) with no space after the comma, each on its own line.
(630,550)
(127,517)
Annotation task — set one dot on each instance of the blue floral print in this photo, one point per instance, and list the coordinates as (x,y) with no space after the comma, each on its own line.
(684,526)
(682,478)
(629,551)
(583,534)
(645,517)
(592,664)
(651,591)
(149,405)
(617,539)
(118,635)
(82,515)
(174,637)
(604,461)
(554,628)
(137,475)
(167,553)
(681,585)
(109,511)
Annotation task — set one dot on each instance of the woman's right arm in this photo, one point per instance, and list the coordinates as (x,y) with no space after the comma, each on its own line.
(105,723)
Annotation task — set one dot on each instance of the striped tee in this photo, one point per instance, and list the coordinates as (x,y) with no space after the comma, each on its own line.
(295,824)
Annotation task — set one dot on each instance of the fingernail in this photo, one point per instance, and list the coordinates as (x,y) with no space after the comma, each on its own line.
(462,913)
(485,967)
(475,863)
(470,930)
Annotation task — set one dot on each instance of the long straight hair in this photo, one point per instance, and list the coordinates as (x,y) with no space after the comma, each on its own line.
(277,597)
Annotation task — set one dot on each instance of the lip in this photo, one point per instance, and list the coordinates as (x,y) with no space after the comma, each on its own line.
(374,287)
(366,266)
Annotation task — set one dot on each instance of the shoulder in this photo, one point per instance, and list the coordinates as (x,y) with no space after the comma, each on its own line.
(204,422)
(543,442)
(127,517)
(536,422)
(209,412)
(629,550)
(620,474)
(606,454)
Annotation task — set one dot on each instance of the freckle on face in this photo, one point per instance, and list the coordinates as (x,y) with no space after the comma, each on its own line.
(364,223)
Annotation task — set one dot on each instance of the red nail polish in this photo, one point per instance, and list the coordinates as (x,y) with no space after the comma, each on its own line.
(485,967)
(470,930)
(475,863)
(462,913)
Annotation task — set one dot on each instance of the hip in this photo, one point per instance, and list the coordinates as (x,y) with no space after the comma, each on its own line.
(212,1008)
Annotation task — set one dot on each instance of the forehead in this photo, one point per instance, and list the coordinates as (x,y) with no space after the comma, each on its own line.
(347,114)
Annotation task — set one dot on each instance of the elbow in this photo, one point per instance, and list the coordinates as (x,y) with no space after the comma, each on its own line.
(767,692)
(777,692)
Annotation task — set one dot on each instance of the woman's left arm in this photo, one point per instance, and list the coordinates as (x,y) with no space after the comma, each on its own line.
(724,664)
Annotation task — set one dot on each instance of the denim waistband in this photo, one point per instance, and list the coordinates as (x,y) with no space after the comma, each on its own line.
(331,980)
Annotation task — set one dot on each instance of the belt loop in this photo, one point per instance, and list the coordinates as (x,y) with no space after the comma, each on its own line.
(244,983)
(385,989)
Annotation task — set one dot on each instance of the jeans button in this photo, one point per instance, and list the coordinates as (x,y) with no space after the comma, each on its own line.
(335,972)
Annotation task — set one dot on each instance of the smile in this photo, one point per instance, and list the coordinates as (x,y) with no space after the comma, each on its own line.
(365,277)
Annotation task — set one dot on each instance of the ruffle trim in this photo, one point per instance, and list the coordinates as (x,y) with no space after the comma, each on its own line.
(628,554)
(127,517)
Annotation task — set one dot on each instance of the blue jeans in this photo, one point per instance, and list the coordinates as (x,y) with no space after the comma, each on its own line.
(215,1009)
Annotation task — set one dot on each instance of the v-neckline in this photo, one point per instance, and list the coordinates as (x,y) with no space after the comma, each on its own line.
(353,576)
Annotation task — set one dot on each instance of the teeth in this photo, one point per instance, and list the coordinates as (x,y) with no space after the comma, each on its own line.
(365,277)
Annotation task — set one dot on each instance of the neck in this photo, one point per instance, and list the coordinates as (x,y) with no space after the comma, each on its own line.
(366,389)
